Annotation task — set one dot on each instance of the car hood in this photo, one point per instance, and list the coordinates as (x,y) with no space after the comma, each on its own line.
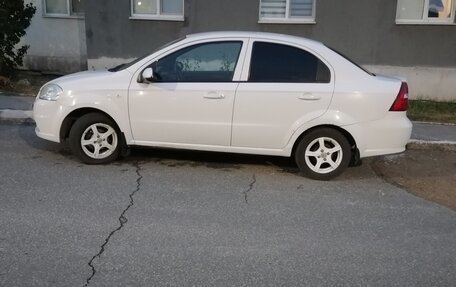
(91,75)
(94,80)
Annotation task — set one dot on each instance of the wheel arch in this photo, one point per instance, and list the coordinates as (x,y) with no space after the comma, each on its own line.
(71,118)
(348,136)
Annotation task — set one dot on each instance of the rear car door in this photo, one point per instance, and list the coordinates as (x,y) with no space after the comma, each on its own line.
(284,86)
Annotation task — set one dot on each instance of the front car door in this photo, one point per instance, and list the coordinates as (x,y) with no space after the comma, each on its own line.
(284,87)
(190,101)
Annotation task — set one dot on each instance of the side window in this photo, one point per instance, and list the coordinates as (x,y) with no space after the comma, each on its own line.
(209,62)
(278,63)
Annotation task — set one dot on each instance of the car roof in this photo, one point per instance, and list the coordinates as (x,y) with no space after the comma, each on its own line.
(248,34)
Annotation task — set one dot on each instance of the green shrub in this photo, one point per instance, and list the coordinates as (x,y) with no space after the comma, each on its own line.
(15,17)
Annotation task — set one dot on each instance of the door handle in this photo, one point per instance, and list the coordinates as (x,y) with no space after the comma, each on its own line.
(214,96)
(309,97)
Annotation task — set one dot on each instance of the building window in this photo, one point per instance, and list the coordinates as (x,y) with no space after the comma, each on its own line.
(172,10)
(425,11)
(64,8)
(287,11)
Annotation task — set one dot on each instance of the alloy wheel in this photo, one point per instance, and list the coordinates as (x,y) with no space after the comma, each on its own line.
(323,155)
(99,141)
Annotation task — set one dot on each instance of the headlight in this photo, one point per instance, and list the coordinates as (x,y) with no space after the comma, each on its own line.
(50,92)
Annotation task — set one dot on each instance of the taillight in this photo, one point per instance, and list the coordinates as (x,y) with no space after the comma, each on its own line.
(401,102)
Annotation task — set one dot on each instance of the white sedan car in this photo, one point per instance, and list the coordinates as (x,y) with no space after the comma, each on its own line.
(239,92)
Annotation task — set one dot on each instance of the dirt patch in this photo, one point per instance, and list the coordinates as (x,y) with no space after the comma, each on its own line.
(430,174)
(26,83)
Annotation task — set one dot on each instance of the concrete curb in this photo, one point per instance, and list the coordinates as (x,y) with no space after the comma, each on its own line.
(431,145)
(433,123)
(16,116)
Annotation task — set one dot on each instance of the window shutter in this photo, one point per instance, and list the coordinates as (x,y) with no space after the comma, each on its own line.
(301,8)
(273,8)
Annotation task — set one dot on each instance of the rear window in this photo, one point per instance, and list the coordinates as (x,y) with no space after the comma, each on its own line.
(351,61)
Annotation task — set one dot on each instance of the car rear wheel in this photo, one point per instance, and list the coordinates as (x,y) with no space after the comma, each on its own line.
(323,154)
(94,139)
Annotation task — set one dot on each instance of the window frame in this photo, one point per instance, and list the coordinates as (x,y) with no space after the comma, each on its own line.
(69,13)
(287,19)
(425,20)
(159,16)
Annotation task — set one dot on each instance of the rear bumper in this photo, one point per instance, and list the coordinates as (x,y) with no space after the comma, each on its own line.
(385,136)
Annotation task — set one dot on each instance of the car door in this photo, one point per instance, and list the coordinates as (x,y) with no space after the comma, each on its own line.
(190,101)
(283,87)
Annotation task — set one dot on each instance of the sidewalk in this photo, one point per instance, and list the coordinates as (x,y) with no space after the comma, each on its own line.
(19,108)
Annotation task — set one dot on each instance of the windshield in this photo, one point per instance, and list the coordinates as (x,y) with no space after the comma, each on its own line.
(126,65)
(351,61)
(129,64)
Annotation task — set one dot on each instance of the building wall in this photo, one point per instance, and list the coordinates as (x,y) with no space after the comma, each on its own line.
(364,30)
(56,44)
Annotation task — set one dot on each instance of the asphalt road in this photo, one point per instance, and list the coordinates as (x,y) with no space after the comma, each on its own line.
(178,218)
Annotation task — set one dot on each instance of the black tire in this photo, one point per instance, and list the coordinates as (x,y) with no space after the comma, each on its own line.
(323,163)
(102,136)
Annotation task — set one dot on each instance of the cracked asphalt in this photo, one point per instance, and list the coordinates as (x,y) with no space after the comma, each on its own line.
(177,218)
(122,221)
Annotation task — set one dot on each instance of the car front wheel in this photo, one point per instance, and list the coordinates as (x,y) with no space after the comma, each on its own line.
(323,154)
(94,139)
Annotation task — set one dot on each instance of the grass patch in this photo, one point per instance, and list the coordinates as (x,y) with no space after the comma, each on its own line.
(431,111)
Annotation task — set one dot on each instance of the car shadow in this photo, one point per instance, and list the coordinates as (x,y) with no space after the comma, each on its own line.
(26,131)
(187,158)
(215,160)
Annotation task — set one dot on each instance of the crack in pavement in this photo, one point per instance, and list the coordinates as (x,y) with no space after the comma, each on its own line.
(122,220)
(245,192)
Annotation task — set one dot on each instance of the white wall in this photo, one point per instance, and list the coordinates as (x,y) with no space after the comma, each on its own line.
(428,83)
(56,44)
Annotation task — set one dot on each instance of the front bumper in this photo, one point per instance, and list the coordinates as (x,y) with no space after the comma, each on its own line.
(48,116)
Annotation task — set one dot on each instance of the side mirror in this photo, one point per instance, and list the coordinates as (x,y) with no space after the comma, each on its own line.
(148,75)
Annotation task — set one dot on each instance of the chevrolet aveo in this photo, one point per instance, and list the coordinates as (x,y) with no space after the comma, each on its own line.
(239,92)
